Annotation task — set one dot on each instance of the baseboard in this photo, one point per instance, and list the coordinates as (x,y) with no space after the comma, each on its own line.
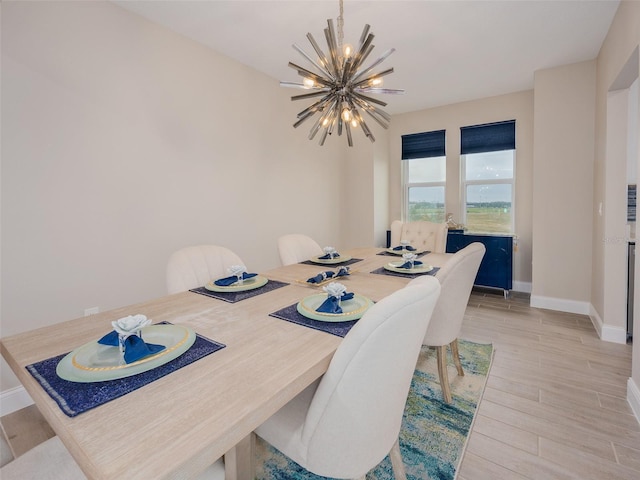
(606,332)
(633,397)
(560,304)
(13,400)
(524,287)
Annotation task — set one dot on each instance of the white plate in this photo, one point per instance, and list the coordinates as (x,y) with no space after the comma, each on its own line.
(332,261)
(397,267)
(351,309)
(94,362)
(248,284)
(403,251)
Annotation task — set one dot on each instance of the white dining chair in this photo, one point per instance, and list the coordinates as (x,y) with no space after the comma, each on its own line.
(346,422)
(456,278)
(421,235)
(195,266)
(295,247)
(51,460)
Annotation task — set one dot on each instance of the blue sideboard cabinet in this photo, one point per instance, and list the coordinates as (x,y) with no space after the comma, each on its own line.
(496,268)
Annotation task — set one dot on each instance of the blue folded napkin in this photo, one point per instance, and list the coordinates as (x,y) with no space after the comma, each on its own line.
(134,347)
(225,282)
(416,263)
(404,247)
(322,276)
(329,256)
(330,305)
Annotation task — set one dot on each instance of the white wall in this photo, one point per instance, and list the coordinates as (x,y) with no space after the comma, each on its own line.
(563,181)
(518,106)
(620,44)
(614,314)
(122,142)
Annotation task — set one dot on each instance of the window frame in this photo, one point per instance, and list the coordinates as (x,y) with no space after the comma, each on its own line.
(406,185)
(503,181)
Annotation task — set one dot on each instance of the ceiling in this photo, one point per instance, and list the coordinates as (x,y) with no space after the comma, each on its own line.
(446,51)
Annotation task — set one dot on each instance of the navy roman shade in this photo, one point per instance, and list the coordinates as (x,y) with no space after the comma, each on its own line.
(488,137)
(423,145)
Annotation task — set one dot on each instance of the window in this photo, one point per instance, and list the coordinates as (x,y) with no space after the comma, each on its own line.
(424,176)
(488,180)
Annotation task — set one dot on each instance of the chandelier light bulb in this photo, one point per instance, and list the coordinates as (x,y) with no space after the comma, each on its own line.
(354,123)
(308,82)
(347,50)
(346,115)
(325,122)
(377,82)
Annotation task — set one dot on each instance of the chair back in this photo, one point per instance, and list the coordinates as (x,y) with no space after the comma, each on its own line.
(456,279)
(355,415)
(192,267)
(422,235)
(295,247)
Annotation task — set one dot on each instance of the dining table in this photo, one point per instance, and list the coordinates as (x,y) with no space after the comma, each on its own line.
(180,423)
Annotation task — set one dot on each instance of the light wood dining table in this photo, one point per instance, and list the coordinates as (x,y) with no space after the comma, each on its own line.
(176,426)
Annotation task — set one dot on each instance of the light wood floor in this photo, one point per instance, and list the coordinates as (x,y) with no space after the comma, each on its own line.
(554,406)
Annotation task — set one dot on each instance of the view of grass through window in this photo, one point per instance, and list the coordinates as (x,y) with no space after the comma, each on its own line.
(426,211)
(494,217)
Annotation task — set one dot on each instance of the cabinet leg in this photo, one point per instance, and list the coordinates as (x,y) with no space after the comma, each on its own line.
(507,294)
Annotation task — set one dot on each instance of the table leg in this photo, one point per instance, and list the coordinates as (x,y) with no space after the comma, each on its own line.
(239,462)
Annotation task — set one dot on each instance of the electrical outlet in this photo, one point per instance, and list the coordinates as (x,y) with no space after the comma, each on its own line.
(91,311)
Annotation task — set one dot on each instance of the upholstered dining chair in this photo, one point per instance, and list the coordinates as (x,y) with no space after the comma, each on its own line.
(456,278)
(422,235)
(295,247)
(51,460)
(346,422)
(192,267)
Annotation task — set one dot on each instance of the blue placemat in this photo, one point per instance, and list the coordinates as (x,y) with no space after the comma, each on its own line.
(74,398)
(384,271)
(233,297)
(331,265)
(291,314)
(418,255)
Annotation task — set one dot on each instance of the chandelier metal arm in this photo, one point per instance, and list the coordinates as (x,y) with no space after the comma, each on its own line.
(303,72)
(349,137)
(346,71)
(316,107)
(304,96)
(365,128)
(375,114)
(302,118)
(367,99)
(364,50)
(391,91)
(363,35)
(311,60)
(321,55)
(381,117)
(293,85)
(369,69)
(330,36)
(373,76)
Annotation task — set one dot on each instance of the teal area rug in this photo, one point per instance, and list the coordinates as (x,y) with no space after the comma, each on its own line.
(433,434)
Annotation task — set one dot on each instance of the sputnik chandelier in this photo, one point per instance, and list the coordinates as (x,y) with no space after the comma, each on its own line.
(342,84)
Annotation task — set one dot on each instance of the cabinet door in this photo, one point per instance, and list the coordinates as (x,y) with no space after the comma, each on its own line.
(496,268)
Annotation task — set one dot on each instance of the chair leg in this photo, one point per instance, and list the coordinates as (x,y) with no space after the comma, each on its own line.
(442,373)
(456,357)
(396,462)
